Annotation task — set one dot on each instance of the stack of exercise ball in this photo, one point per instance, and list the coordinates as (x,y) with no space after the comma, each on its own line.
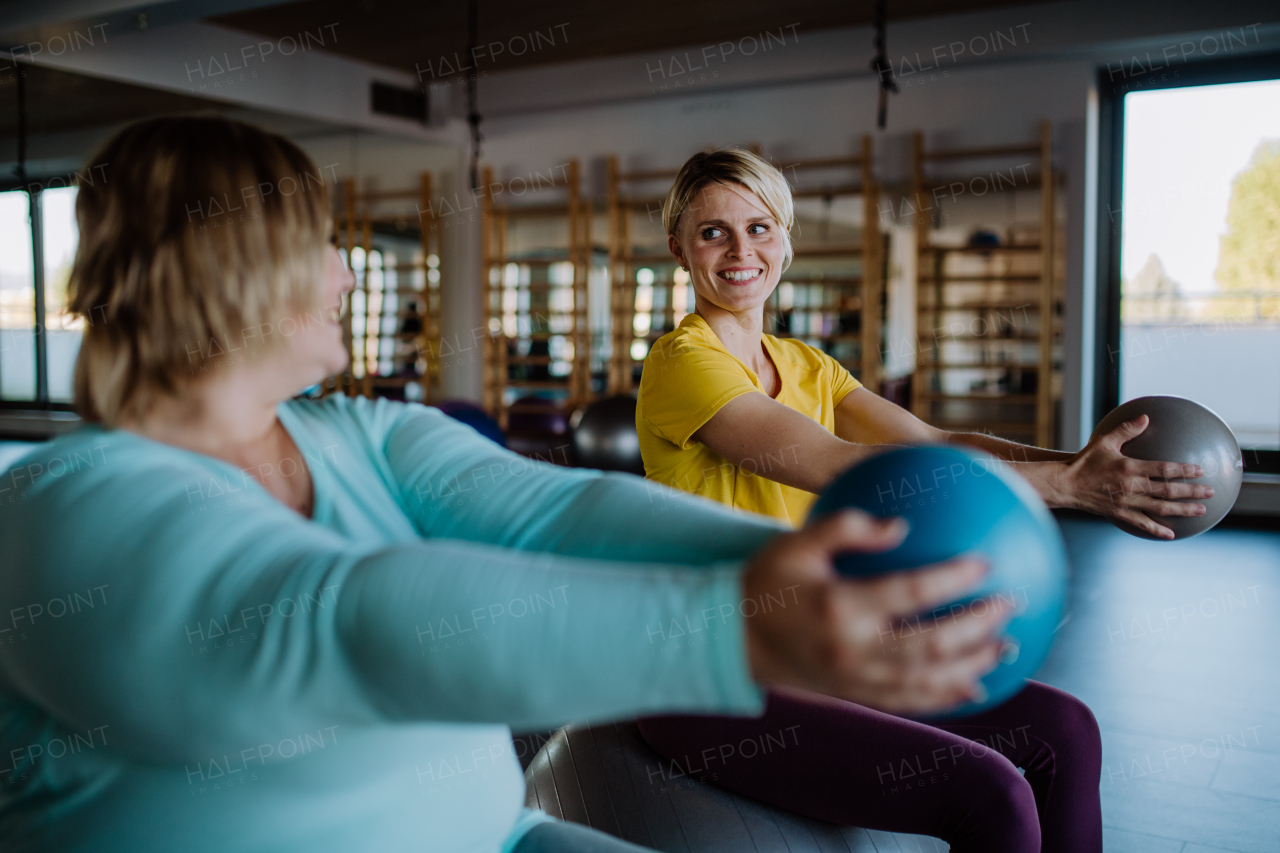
(537,416)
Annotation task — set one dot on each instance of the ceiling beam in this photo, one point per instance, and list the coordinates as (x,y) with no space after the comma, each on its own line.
(293,75)
(21,23)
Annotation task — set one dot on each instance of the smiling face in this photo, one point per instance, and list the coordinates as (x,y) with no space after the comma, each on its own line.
(733,246)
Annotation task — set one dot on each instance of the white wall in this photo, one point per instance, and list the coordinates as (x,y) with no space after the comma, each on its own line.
(967,106)
(378,161)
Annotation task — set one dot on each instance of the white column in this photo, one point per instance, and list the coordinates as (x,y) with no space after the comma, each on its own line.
(462,297)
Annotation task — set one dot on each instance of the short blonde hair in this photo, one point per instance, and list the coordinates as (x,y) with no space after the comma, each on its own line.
(732,166)
(202,236)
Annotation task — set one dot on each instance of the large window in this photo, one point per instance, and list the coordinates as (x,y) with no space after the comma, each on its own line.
(1193,278)
(25,352)
(17,300)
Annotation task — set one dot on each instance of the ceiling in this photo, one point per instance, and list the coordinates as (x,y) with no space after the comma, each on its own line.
(405,34)
(412,34)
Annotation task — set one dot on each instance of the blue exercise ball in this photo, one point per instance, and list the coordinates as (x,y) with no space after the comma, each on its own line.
(963,502)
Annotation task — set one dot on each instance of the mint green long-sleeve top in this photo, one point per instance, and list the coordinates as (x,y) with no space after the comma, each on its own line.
(187,664)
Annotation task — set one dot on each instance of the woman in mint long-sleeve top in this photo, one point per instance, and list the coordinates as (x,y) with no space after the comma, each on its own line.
(236,620)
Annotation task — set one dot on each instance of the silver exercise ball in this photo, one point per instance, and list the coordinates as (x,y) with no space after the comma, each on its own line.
(1182,430)
(605,437)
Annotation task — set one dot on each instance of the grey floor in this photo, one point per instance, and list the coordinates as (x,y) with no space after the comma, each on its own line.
(1176,648)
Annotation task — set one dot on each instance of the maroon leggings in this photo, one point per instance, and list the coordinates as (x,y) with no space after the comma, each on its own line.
(958,781)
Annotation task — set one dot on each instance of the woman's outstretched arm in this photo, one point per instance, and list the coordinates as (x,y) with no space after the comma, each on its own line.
(221,623)
(1099,479)
(455,484)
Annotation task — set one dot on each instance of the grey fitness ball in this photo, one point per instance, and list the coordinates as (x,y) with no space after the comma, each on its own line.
(1182,430)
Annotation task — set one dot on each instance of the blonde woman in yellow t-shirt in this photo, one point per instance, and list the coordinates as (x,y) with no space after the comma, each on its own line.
(762,424)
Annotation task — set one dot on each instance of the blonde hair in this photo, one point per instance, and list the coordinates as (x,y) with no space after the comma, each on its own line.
(732,166)
(201,236)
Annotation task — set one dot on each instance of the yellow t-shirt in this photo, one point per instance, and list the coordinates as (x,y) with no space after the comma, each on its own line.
(689,375)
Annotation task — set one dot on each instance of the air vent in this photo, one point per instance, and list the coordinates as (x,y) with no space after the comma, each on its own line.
(395,101)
